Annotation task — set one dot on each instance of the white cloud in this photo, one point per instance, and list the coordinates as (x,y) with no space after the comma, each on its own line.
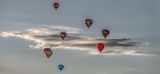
(49,37)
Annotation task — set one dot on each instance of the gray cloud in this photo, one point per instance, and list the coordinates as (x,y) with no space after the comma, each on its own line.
(49,37)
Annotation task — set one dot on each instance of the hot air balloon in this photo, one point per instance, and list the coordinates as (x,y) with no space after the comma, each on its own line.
(60,67)
(88,22)
(105,33)
(100,47)
(56,5)
(63,35)
(48,52)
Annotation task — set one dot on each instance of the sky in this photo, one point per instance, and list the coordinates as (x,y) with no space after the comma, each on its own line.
(29,26)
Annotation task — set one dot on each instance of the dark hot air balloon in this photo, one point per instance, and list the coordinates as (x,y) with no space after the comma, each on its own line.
(56,5)
(105,33)
(88,22)
(63,35)
(48,52)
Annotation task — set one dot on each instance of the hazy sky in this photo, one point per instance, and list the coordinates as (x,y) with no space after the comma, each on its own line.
(139,16)
(135,19)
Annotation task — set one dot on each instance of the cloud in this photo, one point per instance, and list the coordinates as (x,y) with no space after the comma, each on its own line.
(43,37)
(120,51)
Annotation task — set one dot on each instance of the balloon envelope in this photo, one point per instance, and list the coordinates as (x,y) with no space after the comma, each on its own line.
(88,22)
(60,67)
(105,33)
(56,5)
(48,52)
(100,47)
(63,35)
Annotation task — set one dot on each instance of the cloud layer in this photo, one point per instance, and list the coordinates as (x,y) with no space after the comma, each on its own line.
(43,37)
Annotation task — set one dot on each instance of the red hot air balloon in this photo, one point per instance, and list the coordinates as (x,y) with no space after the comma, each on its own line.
(56,5)
(48,52)
(88,22)
(105,33)
(63,35)
(100,47)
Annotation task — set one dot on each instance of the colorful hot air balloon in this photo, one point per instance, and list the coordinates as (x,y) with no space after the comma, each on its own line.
(105,33)
(88,22)
(63,35)
(48,52)
(60,67)
(56,5)
(100,47)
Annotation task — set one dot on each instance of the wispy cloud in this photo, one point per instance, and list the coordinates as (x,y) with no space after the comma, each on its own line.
(121,51)
(49,37)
